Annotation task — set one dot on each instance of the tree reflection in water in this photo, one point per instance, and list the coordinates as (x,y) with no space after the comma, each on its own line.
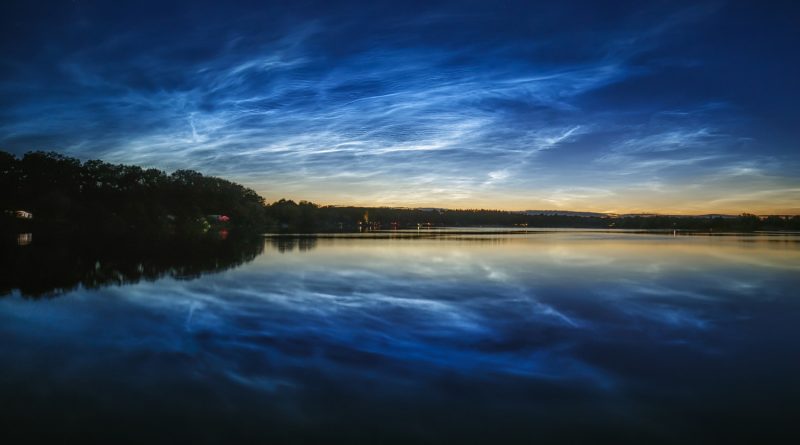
(50,267)
(284,244)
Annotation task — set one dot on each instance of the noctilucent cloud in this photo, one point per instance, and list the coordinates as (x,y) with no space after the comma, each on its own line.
(625,106)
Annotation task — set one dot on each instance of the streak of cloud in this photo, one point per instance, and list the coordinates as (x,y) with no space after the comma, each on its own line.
(446,106)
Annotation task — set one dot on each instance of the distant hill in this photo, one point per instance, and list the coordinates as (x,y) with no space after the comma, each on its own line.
(565,213)
(654,215)
(620,215)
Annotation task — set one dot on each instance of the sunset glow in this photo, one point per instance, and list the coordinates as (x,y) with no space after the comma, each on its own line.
(675,107)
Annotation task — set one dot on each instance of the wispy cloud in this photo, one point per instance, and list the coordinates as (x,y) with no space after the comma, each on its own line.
(290,113)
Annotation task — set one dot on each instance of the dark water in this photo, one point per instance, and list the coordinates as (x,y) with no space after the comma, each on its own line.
(564,337)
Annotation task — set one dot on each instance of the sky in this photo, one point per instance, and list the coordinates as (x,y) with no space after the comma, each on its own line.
(623,106)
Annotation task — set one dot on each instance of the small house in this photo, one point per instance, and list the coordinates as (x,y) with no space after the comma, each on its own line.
(216,219)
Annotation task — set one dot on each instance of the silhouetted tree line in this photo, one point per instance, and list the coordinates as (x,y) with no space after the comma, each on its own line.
(109,199)
(308,217)
(104,198)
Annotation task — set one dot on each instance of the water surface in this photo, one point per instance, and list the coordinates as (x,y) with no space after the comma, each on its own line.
(555,337)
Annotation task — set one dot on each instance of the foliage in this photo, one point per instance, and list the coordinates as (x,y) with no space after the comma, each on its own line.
(107,198)
(308,217)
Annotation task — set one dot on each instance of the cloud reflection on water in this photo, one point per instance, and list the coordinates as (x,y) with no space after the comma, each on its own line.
(422,305)
(586,312)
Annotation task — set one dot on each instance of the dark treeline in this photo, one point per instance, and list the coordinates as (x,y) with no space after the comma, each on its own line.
(107,199)
(308,217)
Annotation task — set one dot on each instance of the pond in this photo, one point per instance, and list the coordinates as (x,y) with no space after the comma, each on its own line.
(438,337)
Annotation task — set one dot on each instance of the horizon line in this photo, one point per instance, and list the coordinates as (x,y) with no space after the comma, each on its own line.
(553,211)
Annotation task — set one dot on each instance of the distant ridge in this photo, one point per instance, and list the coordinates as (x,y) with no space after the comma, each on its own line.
(620,215)
(650,215)
(564,213)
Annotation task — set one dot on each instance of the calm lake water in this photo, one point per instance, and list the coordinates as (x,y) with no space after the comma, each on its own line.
(548,337)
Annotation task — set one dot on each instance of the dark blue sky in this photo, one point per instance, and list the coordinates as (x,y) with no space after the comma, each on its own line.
(608,106)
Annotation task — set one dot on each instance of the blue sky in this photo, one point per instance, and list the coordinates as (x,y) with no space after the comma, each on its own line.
(680,107)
